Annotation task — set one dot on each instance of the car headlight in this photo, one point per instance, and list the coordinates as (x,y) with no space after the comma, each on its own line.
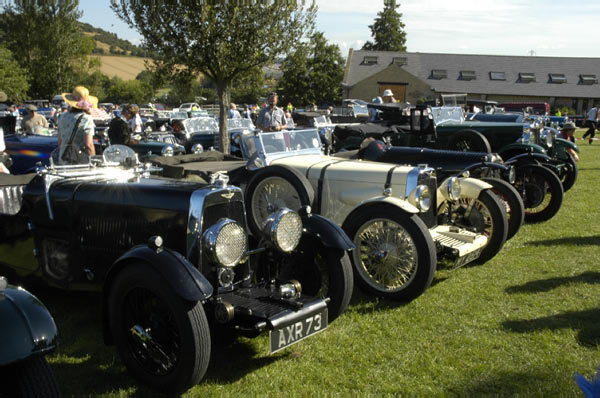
(420,197)
(512,174)
(284,230)
(526,135)
(454,189)
(226,242)
(167,150)
(549,138)
(197,148)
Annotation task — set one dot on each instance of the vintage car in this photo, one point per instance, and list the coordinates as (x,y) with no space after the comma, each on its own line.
(389,211)
(173,262)
(28,333)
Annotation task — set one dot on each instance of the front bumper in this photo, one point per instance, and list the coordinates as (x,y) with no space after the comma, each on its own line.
(458,244)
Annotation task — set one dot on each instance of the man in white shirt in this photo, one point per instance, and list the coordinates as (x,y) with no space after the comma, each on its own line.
(135,123)
(592,123)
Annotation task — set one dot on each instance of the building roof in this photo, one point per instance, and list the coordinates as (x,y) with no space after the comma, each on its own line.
(443,72)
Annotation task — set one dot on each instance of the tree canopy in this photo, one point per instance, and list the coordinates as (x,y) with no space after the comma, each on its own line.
(313,73)
(45,39)
(13,79)
(221,40)
(387,30)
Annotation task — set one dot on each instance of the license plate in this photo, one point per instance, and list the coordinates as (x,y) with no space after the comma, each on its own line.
(293,333)
(468,258)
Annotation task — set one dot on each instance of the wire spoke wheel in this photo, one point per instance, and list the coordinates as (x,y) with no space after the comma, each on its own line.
(387,254)
(272,194)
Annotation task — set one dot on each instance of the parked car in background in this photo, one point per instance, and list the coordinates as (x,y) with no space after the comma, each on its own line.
(188,106)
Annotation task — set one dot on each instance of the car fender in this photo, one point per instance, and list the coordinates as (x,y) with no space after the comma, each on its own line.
(536,157)
(328,232)
(469,187)
(183,278)
(27,326)
(401,204)
(519,147)
(561,142)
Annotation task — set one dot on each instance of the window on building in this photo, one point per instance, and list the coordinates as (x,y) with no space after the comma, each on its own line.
(526,77)
(439,74)
(369,60)
(399,61)
(588,79)
(467,75)
(497,76)
(557,78)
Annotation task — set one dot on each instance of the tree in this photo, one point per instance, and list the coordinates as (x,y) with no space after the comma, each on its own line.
(387,30)
(129,91)
(46,40)
(13,79)
(248,89)
(221,40)
(313,73)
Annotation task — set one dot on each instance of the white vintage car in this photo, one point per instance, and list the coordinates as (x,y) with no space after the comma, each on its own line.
(390,211)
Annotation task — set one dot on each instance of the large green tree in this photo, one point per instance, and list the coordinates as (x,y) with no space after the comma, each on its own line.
(13,79)
(313,73)
(46,40)
(221,40)
(387,30)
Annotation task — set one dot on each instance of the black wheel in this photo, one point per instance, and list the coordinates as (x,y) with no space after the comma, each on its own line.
(322,272)
(31,378)
(273,188)
(163,340)
(541,191)
(395,255)
(509,196)
(570,176)
(469,141)
(484,214)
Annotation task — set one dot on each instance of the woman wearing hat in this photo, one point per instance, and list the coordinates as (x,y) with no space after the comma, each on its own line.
(388,97)
(77,125)
(567,132)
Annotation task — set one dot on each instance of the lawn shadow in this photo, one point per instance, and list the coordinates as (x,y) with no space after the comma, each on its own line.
(585,321)
(571,240)
(503,384)
(545,285)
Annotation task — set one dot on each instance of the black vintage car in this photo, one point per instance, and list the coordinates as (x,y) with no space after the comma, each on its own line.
(173,261)
(27,334)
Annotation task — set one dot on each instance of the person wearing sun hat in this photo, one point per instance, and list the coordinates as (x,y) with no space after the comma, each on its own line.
(77,122)
(567,132)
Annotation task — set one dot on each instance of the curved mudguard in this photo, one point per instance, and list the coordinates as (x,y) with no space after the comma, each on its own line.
(470,188)
(489,165)
(329,233)
(561,142)
(524,148)
(540,157)
(183,278)
(27,326)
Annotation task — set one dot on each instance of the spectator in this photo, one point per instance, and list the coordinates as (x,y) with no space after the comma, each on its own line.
(271,118)
(233,112)
(135,123)
(567,132)
(33,119)
(374,113)
(247,112)
(592,123)
(388,97)
(76,127)
(119,131)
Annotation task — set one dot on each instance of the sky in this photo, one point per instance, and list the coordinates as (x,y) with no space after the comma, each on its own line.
(498,27)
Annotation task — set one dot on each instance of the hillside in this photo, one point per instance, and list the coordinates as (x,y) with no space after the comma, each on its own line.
(127,68)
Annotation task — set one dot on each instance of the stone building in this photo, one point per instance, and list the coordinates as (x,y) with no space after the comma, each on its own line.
(560,81)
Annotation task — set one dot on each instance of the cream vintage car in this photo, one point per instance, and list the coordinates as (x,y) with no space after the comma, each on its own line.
(390,211)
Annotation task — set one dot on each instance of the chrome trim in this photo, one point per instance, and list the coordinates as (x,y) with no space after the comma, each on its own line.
(209,241)
(414,176)
(272,224)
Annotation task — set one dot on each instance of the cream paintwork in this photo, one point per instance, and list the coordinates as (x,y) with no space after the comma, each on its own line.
(470,188)
(350,184)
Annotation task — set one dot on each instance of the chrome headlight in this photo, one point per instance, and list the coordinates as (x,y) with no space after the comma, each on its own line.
(549,138)
(197,148)
(454,189)
(226,242)
(167,150)
(284,230)
(512,174)
(420,197)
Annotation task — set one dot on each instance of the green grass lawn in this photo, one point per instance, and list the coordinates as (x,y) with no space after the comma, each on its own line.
(521,324)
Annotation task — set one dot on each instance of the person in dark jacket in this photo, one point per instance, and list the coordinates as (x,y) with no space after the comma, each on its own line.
(119,131)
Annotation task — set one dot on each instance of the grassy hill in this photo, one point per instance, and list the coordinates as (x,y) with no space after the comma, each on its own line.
(127,68)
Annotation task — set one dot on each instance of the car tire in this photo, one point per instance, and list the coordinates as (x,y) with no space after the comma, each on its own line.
(140,298)
(31,378)
(487,216)
(279,187)
(541,191)
(510,196)
(570,177)
(469,141)
(323,272)
(411,278)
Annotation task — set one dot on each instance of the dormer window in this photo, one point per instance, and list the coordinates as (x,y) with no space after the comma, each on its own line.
(369,60)
(526,77)
(497,76)
(588,79)
(439,74)
(557,78)
(467,75)
(400,61)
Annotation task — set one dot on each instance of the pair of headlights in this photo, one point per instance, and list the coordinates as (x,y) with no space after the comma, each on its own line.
(226,241)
